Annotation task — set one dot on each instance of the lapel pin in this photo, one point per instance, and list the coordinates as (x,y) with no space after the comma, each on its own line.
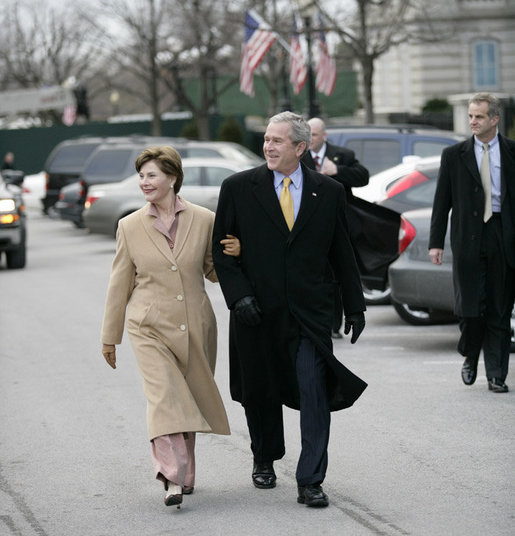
(313,194)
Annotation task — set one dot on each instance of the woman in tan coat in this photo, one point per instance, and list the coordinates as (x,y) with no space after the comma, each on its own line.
(156,289)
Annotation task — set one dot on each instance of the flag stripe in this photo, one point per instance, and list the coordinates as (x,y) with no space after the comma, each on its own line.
(257,41)
(326,67)
(298,69)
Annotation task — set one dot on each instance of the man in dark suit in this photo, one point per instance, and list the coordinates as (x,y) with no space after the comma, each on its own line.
(294,239)
(340,164)
(477,181)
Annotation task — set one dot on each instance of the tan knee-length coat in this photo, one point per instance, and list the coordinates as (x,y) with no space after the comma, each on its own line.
(160,295)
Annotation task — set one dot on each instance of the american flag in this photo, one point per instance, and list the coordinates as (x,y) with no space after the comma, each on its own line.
(258,39)
(326,67)
(298,69)
(69,115)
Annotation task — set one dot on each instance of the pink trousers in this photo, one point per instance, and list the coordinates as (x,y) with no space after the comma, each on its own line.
(173,456)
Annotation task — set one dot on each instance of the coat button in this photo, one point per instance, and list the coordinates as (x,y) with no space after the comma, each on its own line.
(174,268)
(179,297)
(182,327)
(474,213)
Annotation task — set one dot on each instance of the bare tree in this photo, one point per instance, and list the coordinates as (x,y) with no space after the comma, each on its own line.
(372,27)
(40,45)
(206,44)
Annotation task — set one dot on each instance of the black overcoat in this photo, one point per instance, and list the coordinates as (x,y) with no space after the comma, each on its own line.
(291,275)
(459,188)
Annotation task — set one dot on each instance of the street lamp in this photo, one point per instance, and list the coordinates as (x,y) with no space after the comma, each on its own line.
(307,9)
(114,99)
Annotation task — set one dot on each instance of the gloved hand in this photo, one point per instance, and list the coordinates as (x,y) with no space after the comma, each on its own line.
(109,353)
(356,321)
(247,311)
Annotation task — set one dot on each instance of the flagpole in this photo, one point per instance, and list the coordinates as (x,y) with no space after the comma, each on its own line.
(313,105)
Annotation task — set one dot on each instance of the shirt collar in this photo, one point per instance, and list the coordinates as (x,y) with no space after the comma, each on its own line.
(179,207)
(320,153)
(491,143)
(296,178)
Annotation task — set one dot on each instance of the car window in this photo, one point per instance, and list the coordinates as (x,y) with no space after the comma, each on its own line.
(428,147)
(376,154)
(192,176)
(109,162)
(214,176)
(202,152)
(71,157)
(421,195)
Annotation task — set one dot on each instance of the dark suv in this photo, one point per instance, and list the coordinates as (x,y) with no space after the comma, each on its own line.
(381,147)
(65,164)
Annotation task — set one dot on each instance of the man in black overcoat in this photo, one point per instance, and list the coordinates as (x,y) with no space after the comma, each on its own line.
(294,240)
(482,239)
(340,164)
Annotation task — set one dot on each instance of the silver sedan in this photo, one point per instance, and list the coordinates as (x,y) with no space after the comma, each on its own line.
(107,203)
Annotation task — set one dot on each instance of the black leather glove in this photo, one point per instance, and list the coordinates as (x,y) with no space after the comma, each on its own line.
(356,321)
(247,311)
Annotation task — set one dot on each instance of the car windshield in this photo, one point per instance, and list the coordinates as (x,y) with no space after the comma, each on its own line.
(109,162)
(71,157)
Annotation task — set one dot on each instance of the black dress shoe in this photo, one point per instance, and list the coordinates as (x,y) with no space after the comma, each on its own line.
(497,386)
(312,495)
(469,370)
(263,475)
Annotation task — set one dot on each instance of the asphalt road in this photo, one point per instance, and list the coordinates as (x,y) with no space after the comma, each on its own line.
(419,454)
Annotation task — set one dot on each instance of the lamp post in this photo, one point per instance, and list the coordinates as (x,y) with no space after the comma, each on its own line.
(307,10)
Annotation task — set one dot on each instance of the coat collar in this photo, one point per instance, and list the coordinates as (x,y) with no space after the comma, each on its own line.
(469,158)
(263,188)
(185,222)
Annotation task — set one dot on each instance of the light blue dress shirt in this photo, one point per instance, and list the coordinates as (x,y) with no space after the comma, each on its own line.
(295,188)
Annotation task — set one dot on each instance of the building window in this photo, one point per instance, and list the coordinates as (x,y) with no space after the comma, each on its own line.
(485,64)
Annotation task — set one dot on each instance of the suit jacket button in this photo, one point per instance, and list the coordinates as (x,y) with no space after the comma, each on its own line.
(179,297)
(182,327)
(474,213)
(174,268)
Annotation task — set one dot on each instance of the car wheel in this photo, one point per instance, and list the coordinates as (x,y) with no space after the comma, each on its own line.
(422,317)
(16,258)
(376,297)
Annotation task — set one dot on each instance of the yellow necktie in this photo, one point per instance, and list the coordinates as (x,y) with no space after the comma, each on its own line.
(286,202)
(484,171)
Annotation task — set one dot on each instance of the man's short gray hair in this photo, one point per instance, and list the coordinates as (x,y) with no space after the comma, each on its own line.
(494,104)
(299,128)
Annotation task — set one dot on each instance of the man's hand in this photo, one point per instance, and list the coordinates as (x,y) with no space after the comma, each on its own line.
(109,353)
(247,311)
(356,321)
(329,168)
(436,255)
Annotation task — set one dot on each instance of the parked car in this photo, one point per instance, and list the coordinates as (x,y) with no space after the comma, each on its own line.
(13,233)
(382,147)
(107,203)
(375,190)
(114,162)
(64,165)
(422,293)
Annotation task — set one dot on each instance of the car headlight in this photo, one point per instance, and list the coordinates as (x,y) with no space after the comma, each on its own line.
(7,205)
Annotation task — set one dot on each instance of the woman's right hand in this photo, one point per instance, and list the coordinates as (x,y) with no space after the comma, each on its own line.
(109,353)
